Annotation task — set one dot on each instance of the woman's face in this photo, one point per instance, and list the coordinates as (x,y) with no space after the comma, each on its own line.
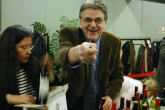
(23,49)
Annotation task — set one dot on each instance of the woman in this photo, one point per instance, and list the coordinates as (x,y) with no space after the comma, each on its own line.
(19,70)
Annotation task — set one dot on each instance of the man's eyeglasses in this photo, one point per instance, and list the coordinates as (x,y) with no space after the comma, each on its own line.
(89,20)
(27,47)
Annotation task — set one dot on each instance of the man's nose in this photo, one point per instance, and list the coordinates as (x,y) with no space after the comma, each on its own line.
(93,23)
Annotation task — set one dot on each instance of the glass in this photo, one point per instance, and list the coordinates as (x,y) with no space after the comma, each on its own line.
(27,47)
(89,20)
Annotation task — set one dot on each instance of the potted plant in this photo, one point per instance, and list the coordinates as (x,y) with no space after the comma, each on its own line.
(54,38)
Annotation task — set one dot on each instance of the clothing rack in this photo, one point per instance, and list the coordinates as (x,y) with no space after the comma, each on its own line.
(139,38)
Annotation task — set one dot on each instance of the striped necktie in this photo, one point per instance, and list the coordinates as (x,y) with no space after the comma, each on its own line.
(90,98)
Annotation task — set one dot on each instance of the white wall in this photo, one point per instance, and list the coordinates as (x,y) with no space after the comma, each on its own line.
(26,12)
(153,19)
(127,18)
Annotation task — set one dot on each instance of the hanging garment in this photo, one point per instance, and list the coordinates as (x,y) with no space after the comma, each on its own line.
(126,51)
(140,59)
(128,58)
(150,64)
(131,58)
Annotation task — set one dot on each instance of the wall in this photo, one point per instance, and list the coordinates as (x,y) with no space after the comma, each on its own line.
(127,18)
(26,12)
(136,18)
(153,19)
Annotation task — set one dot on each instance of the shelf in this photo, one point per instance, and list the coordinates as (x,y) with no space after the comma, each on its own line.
(141,75)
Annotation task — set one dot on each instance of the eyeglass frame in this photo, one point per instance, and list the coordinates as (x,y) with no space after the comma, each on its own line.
(88,20)
(27,47)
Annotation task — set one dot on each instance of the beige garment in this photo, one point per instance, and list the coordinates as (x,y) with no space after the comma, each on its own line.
(145,58)
(121,51)
(0,34)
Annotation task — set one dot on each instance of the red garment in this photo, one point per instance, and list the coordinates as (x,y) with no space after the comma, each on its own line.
(143,66)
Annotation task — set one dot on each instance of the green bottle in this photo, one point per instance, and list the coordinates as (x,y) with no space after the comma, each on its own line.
(144,100)
(157,106)
(153,101)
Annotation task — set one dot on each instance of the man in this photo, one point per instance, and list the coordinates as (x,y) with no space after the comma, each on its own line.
(159,77)
(88,44)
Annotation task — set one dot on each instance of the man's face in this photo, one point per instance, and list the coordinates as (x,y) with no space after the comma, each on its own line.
(92,23)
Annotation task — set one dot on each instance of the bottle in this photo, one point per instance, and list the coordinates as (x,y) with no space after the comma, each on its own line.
(144,100)
(157,106)
(114,105)
(135,105)
(162,102)
(134,97)
(128,103)
(144,107)
(153,101)
(121,103)
(101,103)
(141,95)
(138,99)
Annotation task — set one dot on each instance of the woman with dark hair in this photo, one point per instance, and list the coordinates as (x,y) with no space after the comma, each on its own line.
(19,70)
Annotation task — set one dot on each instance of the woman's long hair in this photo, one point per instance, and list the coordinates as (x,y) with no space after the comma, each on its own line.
(8,57)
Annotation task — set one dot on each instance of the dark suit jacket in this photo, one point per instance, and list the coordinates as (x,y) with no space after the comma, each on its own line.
(109,67)
(161,69)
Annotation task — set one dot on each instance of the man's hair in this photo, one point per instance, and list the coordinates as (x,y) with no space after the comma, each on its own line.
(96,5)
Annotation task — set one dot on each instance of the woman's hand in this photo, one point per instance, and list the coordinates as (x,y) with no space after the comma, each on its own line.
(21,99)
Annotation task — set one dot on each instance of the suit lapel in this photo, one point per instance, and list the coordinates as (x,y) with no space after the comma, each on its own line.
(105,50)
